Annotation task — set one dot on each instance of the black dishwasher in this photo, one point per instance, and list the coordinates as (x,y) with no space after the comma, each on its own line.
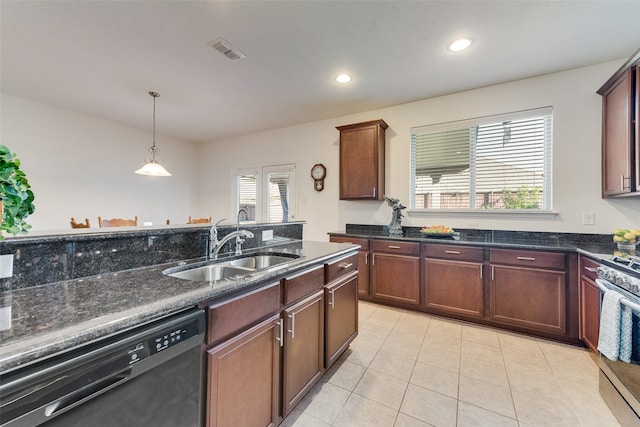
(147,376)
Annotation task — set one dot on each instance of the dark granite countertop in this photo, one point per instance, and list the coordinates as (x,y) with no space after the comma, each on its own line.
(52,318)
(596,246)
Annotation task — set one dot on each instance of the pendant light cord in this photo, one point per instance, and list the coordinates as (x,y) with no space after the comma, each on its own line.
(153,147)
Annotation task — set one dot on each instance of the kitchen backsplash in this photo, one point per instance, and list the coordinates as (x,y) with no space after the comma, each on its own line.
(47,259)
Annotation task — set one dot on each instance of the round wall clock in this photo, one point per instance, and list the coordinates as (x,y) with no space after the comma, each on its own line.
(318,173)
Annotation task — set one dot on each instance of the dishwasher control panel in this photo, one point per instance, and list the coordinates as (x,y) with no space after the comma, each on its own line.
(174,336)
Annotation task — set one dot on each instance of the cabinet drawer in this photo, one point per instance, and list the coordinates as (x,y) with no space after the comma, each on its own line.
(230,317)
(303,284)
(588,267)
(528,258)
(341,267)
(396,247)
(364,243)
(454,252)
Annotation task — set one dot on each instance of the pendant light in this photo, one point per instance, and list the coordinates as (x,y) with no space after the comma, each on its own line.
(152,166)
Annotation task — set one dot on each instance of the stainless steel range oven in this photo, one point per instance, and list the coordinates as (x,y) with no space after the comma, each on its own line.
(619,380)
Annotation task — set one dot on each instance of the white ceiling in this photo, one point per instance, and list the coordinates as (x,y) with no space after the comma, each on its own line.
(102,57)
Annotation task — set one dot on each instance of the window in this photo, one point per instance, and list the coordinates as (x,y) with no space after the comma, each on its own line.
(264,194)
(491,163)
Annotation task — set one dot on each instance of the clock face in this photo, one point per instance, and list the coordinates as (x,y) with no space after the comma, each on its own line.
(318,171)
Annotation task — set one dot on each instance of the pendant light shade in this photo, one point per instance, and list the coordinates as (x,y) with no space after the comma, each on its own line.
(152,166)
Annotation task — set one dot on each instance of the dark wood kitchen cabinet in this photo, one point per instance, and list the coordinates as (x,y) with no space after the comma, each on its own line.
(341,307)
(621,131)
(363,261)
(453,279)
(395,271)
(244,378)
(528,289)
(303,353)
(303,343)
(589,296)
(362,160)
(243,360)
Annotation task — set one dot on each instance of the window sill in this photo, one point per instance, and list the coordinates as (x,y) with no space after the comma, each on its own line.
(465,213)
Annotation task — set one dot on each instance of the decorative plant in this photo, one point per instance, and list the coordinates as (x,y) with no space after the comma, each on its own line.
(16,196)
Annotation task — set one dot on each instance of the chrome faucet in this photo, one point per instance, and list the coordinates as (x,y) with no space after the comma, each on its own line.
(240,236)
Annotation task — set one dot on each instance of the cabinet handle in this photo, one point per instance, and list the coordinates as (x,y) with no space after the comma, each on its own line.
(591,269)
(622,180)
(373,259)
(492,273)
(366,258)
(526,258)
(374,192)
(394,247)
(281,337)
(292,316)
(452,252)
(345,266)
(332,303)
(481,272)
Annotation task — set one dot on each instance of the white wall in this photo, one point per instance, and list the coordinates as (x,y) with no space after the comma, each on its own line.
(82,166)
(576,158)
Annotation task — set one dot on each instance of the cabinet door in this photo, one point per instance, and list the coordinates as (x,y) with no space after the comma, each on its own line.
(244,378)
(303,356)
(589,298)
(362,161)
(341,317)
(530,298)
(617,131)
(454,287)
(396,278)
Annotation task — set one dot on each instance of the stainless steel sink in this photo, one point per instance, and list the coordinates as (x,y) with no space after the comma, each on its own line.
(258,262)
(211,273)
(229,270)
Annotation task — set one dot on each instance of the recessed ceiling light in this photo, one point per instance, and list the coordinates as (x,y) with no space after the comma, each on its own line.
(343,78)
(459,45)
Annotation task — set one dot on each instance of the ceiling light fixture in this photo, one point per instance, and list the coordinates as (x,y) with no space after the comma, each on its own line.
(343,78)
(152,166)
(459,45)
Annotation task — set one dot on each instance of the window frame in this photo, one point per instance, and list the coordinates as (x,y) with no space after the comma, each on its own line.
(547,203)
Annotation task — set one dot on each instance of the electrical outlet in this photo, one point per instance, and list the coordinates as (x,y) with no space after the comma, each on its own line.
(472,225)
(588,218)
(267,235)
(6,266)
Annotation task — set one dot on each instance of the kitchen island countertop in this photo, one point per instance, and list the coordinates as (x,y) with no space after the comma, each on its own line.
(49,319)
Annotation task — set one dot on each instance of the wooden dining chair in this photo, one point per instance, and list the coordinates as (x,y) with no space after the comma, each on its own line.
(117,222)
(199,220)
(75,224)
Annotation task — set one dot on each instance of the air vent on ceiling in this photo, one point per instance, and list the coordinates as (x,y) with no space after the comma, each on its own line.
(224,47)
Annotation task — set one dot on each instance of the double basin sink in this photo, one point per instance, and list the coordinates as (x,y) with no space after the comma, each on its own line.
(234,269)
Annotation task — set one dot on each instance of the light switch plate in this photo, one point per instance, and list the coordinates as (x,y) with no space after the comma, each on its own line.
(267,235)
(6,266)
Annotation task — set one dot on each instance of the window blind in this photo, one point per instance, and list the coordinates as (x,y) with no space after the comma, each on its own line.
(496,162)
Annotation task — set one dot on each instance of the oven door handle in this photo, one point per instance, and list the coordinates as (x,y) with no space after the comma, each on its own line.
(625,301)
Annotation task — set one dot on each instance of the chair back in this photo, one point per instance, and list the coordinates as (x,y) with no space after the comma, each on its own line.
(75,224)
(117,222)
(199,220)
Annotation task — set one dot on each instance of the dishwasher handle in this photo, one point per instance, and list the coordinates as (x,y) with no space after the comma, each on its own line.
(83,395)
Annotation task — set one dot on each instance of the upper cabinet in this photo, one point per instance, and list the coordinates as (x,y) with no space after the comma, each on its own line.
(620,131)
(362,160)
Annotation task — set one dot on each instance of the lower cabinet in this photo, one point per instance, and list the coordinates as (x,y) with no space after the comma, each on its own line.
(395,271)
(244,378)
(529,289)
(341,316)
(267,348)
(589,303)
(303,352)
(453,280)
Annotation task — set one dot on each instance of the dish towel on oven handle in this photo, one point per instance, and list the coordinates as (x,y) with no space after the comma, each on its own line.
(626,333)
(610,322)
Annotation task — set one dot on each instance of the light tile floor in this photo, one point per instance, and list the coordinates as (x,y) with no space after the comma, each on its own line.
(409,369)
